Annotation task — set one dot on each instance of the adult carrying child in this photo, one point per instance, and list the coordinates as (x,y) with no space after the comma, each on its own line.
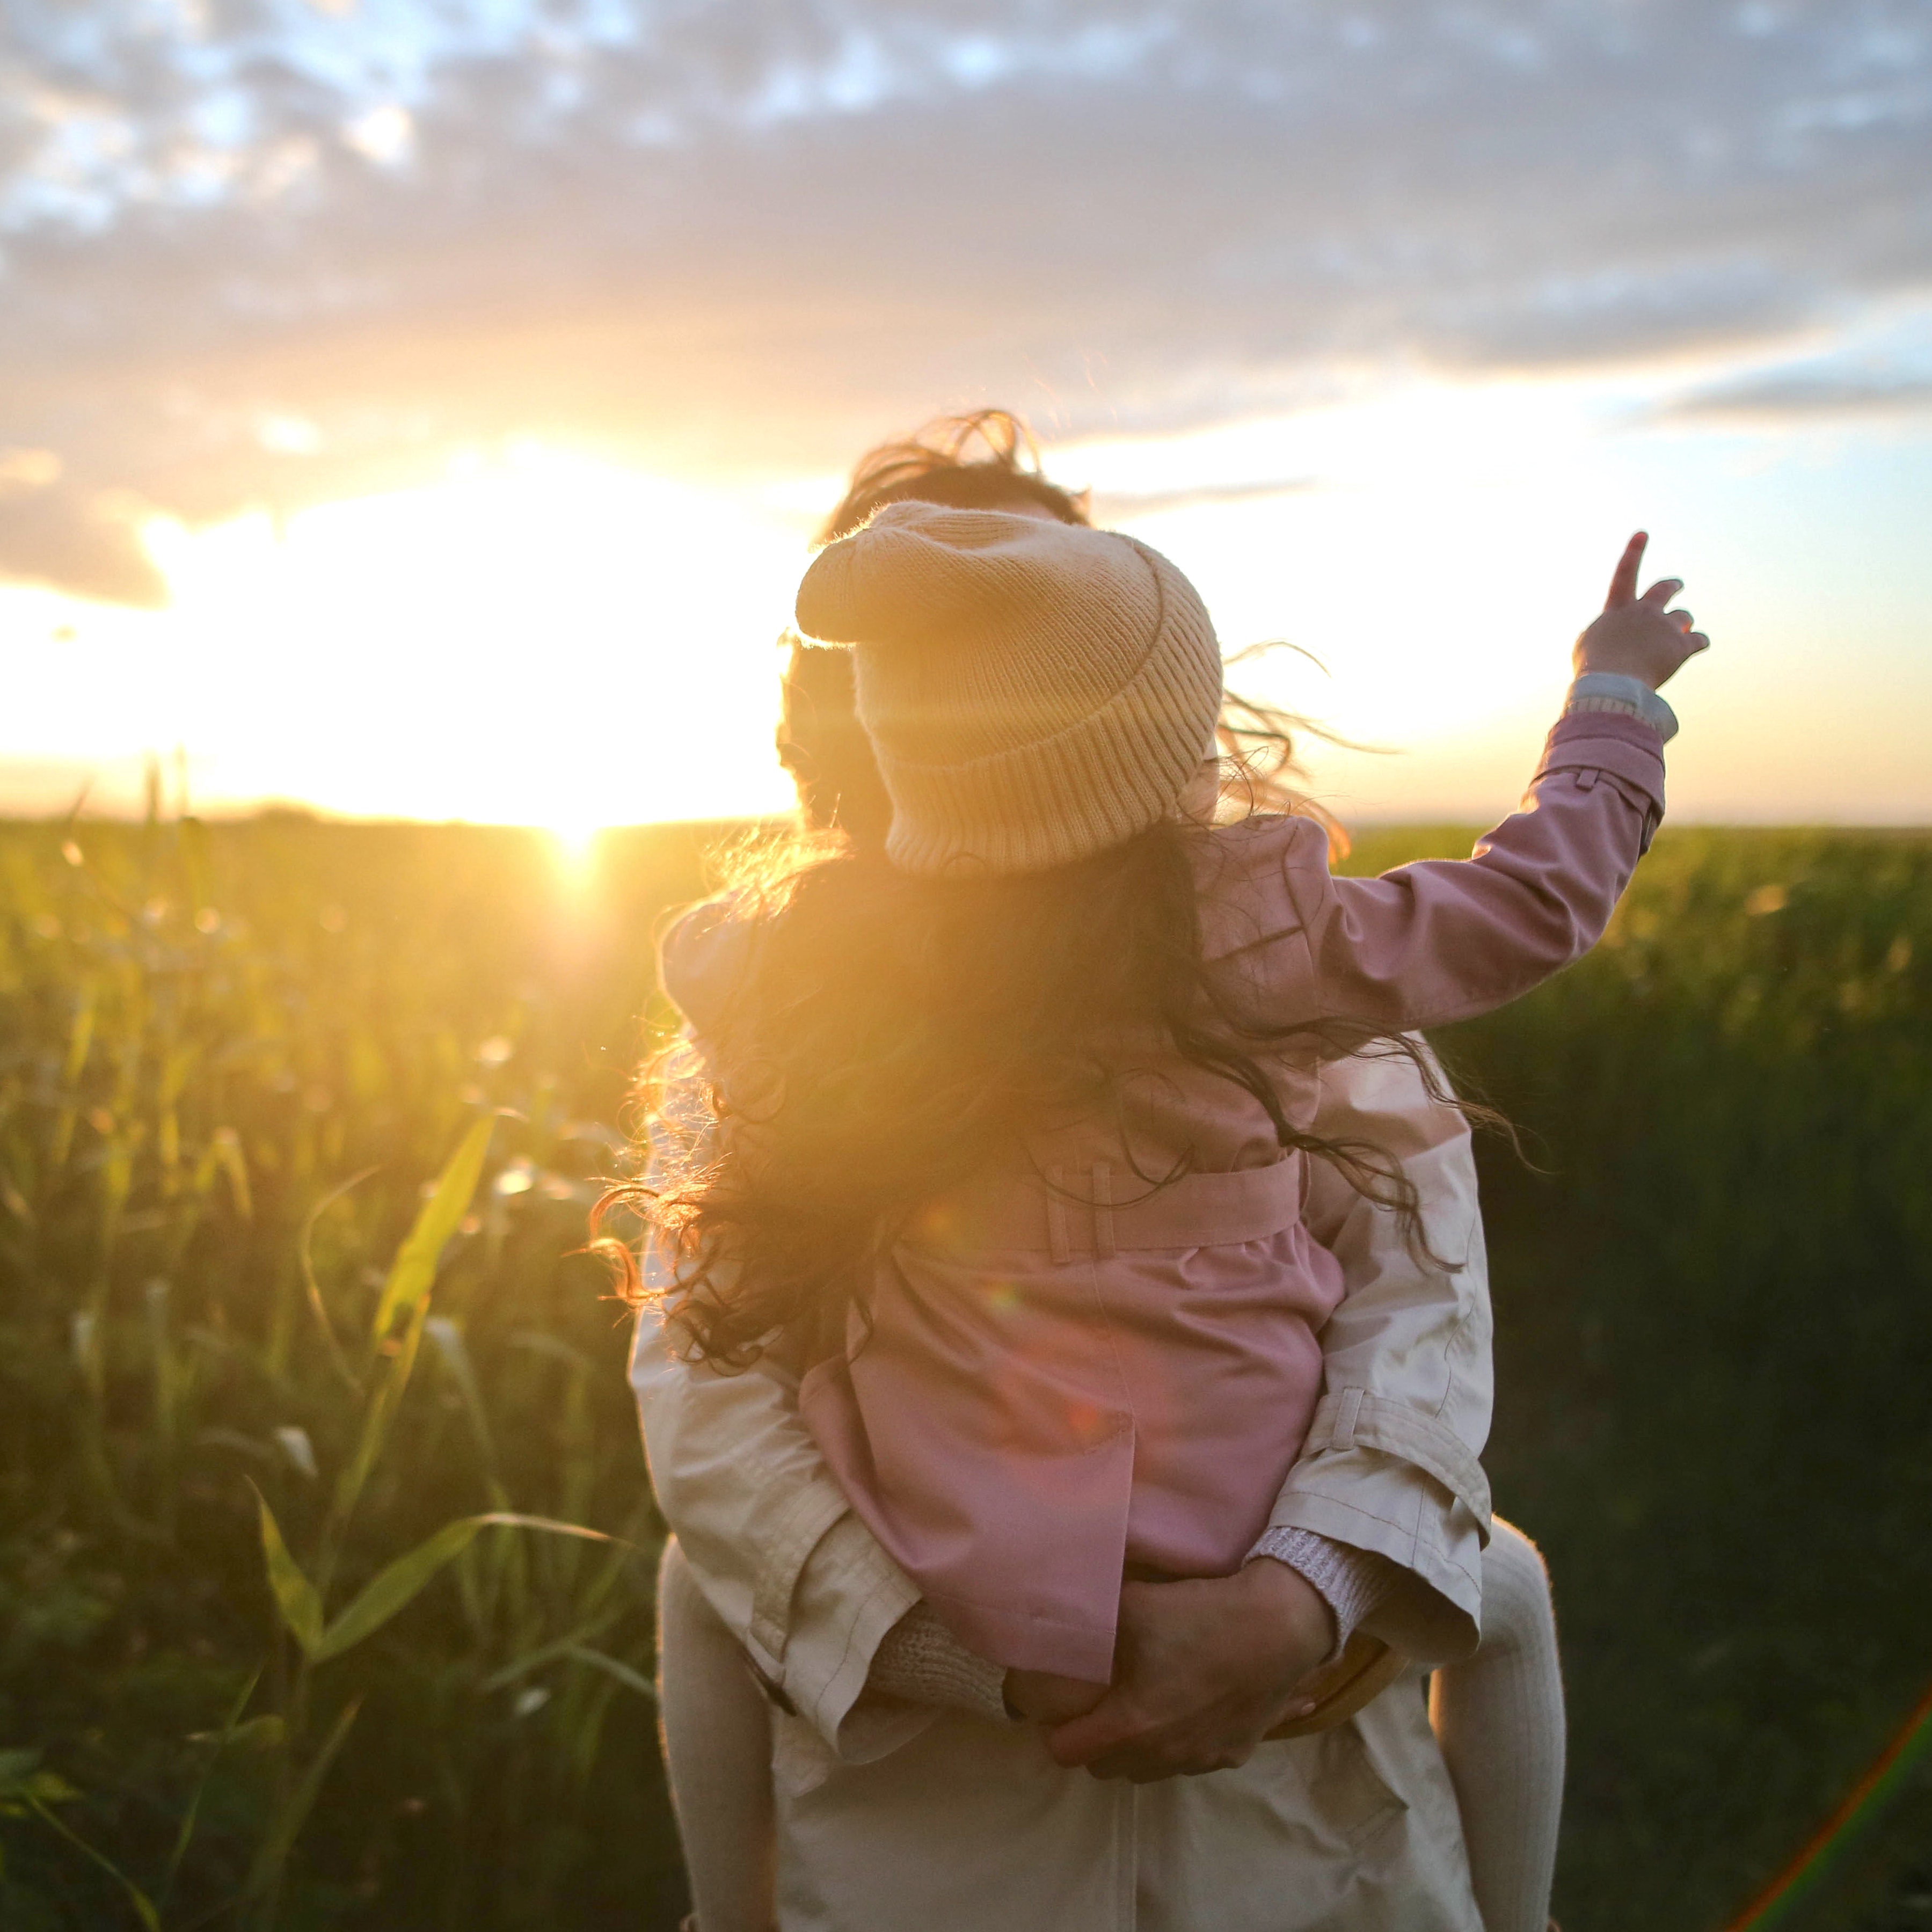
(1009,1145)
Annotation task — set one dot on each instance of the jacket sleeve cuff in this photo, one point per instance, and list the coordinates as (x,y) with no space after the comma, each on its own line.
(1621,746)
(1615,745)
(1372,1501)
(850,1594)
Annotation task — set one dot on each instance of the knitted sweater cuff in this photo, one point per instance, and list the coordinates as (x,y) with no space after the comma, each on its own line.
(922,1662)
(1353,1583)
(1611,691)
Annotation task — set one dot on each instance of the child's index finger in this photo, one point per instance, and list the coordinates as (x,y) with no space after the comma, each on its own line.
(1623,580)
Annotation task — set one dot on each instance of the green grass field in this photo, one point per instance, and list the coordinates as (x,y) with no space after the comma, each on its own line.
(1714,1301)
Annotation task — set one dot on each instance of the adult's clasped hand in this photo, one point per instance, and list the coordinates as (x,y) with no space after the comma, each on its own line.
(1204,1670)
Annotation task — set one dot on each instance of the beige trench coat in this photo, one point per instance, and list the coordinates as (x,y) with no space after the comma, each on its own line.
(892,1816)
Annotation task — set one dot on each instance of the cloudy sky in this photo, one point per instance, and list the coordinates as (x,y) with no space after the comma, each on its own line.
(422,407)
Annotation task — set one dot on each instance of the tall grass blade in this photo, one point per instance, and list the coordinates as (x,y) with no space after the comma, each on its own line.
(455,1353)
(414,1270)
(80,1037)
(547,1653)
(405,1297)
(225,1146)
(632,1679)
(192,1816)
(305,1255)
(295,1597)
(191,837)
(269,1731)
(398,1583)
(274,1854)
(143,1906)
(393,1586)
(376,1417)
(514,1520)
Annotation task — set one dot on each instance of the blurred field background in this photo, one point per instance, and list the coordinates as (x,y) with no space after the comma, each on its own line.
(1714,1314)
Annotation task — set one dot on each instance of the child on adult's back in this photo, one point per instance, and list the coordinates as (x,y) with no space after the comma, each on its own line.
(1063,1046)
(1064,1006)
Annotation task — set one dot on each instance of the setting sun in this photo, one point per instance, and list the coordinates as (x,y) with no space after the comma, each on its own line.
(544,637)
(540,638)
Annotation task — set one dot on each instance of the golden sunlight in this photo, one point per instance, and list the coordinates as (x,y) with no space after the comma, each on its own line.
(1377,552)
(542,637)
(539,639)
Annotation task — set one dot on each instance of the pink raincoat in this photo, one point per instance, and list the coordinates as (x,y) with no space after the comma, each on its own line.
(1068,1374)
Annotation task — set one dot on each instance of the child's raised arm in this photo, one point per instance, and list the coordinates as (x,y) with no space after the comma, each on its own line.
(1443,939)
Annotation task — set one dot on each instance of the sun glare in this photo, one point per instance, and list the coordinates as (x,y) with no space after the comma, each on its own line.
(542,639)
(1376,554)
(545,639)
(575,841)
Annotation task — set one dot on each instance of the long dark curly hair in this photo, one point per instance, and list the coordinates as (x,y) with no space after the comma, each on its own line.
(885,1038)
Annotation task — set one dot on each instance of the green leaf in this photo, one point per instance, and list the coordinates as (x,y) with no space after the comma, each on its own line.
(413,1272)
(143,1907)
(305,1256)
(393,1586)
(295,1595)
(405,1299)
(232,1728)
(398,1583)
(225,1149)
(283,1833)
(265,1733)
(377,1418)
(635,1680)
(22,1782)
(510,1519)
(448,1337)
(548,1653)
(80,1038)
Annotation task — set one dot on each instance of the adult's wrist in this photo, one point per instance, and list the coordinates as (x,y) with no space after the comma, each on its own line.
(1352,1582)
(1289,1600)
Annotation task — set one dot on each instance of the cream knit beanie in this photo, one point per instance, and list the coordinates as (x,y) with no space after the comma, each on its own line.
(1035,692)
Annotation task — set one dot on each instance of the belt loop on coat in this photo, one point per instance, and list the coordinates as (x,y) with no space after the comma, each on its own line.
(1345,1420)
(1056,1218)
(1103,1210)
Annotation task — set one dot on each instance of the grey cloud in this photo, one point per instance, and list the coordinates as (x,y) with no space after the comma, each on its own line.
(1785,394)
(729,235)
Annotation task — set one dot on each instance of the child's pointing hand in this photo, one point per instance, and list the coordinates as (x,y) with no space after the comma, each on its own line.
(1638,636)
